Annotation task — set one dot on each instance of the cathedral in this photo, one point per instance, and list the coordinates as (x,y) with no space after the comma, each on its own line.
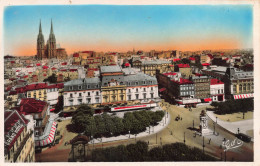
(49,50)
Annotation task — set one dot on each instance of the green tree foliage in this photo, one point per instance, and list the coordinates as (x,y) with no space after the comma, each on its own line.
(233,106)
(51,79)
(139,152)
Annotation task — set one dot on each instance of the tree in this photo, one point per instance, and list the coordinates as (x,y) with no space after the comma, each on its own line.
(100,124)
(51,79)
(118,125)
(86,109)
(91,128)
(109,124)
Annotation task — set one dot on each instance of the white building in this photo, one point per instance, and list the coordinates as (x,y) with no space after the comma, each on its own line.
(141,87)
(82,91)
(217,92)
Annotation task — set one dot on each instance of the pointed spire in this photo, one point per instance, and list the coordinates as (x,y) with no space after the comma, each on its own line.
(40,28)
(51,27)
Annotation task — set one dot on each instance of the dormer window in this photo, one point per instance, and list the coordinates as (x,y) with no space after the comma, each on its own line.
(80,87)
(70,88)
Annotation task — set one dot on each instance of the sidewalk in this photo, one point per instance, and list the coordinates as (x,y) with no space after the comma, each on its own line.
(243,125)
(153,130)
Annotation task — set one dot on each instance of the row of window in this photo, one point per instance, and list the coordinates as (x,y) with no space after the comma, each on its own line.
(187,88)
(80,101)
(80,87)
(187,93)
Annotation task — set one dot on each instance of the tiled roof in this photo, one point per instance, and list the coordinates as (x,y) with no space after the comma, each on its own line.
(215,82)
(171,73)
(183,65)
(30,105)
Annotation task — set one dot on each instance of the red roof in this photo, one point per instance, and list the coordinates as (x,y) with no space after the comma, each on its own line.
(11,118)
(53,68)
(112,53)
(64,63)
(28,66)
(30,105)
(38,64)
(207,100)
(210,56)
(36,86)
(183,81)
(236,56)
(73,70)
(142,57)
(87,51)
(177,59)
(63,70)
(162,89)
(34,75)
(183,65)
(18,70)
(45,67)
(215,81)
(171,73)
(12,61)
(127,64)
(205,64)
(226,59)
(192,58)
(76,55)
(198,74)
(26,76)
(95,69)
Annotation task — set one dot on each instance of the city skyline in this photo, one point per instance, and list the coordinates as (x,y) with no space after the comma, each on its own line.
(122,28)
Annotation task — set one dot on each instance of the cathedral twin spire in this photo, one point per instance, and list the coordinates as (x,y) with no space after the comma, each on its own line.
(48,51)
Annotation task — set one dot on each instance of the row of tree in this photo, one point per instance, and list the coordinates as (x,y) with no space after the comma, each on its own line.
(140,152)
(109,125)
(233,106)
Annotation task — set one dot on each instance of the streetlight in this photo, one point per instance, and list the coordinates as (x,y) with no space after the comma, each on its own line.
(238,130)
(216,120)
(149,129)
(161,140)
(184,138)
(214,127)
(156,138)
(203,145)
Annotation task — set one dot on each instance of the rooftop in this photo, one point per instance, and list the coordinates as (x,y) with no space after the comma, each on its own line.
(110,69)
(31,105)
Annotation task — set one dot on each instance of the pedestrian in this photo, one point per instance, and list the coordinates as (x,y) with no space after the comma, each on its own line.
(209,140)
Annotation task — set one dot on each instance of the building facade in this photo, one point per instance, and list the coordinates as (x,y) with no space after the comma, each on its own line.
(18,139)
(217,90)
(202,87)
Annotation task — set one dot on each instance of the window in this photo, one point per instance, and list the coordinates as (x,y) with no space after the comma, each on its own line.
(122,97)
(70,88)
(136,89)
(36,133)
(244,87)
(97,99)
(129,90)
(80,95)
(71,95)
(151,95)
(137,96)
(80,101)
(113,98)
(144,95)
(88,100)
(151,88)
(129,97)
(80,87)
(144,89)
(122,91)
(88,93)
(88,86)
(240,87)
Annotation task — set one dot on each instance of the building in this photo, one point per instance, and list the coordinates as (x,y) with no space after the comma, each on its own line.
(202,87)
(149,67)
(217,92)
(239,84)
(39,110)
(113,88)
(18,138)
(141,87)
(183,88)
(184,69)
(49,50)
(82,91)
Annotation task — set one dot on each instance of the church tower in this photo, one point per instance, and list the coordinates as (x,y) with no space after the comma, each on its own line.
(51,45)
(40,44)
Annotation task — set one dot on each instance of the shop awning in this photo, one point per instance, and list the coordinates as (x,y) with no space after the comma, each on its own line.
(48,135)
(162,89)
(207,100)
(243,96)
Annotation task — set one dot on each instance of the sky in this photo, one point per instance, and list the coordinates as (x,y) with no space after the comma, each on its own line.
(122,28)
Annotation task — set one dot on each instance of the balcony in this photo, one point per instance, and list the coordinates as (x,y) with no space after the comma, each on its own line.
(18,151)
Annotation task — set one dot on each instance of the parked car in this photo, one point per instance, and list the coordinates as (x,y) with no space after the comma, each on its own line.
(243,137)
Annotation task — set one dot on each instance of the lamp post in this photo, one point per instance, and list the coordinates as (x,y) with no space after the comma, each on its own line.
(238,130)
(184,138)
(203,145)
(161,140)
(214,128)
(156,138)
(149,129)
(216,120)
